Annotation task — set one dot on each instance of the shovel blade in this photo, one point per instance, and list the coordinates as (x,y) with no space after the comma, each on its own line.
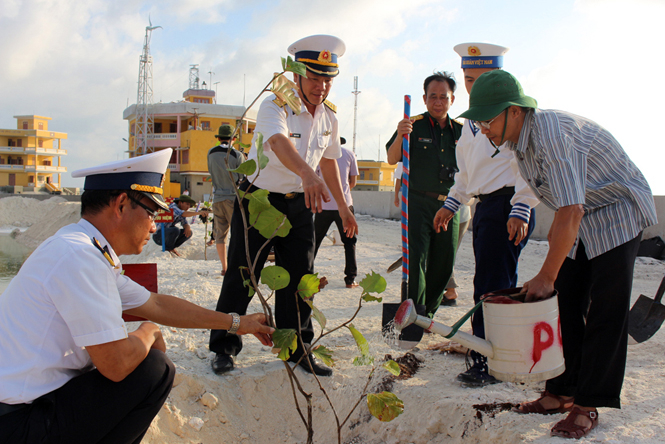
(644,319)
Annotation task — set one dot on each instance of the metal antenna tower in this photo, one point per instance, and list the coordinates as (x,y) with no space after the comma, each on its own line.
(145,119)
(194,77)
(355,92)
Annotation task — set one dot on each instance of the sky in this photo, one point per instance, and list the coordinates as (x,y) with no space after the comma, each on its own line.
(78,61)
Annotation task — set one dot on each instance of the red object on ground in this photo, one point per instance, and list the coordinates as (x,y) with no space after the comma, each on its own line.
(142,274)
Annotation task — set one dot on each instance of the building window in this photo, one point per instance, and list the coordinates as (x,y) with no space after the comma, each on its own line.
(205,125)
(185,156)
(47,163)
(40,143)
(25,125)
(19,142)
(371,176)
(362,175)
(158,127)
(41,125)
(173,128)
(31,179)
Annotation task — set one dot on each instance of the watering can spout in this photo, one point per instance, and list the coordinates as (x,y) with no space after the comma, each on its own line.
(406,315)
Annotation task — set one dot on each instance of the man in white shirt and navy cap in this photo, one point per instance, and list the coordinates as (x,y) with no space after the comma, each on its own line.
(504,217)
(71,372)
(295,143)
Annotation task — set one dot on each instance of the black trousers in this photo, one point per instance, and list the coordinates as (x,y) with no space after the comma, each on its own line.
(496,256)
(594,301)
(295,253)
(322,222)
(93,409)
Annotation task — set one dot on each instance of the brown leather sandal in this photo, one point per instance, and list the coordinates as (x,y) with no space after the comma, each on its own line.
(566,428)
(537,407)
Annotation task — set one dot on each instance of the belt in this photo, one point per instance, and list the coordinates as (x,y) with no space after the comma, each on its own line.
(441,197)
(9,408)
(251,188)
(500,192)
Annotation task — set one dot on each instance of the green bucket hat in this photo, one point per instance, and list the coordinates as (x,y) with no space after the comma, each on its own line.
(224,131)
(492,93)
(186,198)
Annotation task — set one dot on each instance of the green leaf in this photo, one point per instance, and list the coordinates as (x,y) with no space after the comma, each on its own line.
(324,355)
(392,367)
(317,314)
(363,360)
(370,298)
(284,63)
(308,286)
(373,283)
(295,67)
(258,201)
(248,283)
(363,346)
(267,221)
(384,406)
(275,277)
(244,146)
(247,168)
(286,340)
(263,159)
(285,90)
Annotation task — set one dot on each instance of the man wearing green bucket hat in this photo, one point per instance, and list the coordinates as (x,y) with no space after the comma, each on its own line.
(602,203)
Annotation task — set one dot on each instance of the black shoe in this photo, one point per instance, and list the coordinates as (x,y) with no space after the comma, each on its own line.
(222,363)
(319,370)
(476,374)
(449,302)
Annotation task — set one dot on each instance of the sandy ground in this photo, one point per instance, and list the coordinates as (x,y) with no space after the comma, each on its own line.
(254,403)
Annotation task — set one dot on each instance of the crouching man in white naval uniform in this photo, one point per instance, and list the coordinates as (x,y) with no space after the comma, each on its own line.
(70,372)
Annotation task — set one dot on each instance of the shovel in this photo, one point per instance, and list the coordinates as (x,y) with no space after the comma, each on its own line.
(646,317)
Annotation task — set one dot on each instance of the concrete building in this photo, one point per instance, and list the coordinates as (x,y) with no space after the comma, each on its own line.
(189,127)
(375,176)
(30,156)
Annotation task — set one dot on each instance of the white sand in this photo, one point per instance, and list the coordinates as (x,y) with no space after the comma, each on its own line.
(253,403)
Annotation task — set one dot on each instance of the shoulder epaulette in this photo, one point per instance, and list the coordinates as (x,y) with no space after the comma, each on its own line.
(330,105)
(279,102)
(458,122)
(418,117)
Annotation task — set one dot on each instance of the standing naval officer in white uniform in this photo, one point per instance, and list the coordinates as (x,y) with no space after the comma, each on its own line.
(295,144)
(70,371)
(504,217)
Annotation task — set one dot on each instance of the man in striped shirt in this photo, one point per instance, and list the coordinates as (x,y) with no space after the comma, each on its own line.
(602,203)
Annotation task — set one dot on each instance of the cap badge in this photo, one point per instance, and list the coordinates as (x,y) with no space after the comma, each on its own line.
(474,51)
(325,56)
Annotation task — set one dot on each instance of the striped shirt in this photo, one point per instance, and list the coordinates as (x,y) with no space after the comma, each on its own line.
(570,160)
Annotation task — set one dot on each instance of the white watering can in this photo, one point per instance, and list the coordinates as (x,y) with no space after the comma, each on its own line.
(523,340)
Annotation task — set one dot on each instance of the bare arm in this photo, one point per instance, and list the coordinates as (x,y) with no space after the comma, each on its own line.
(330,173)
(176,312)
(562,236)
(395,151)
(313,185)
(352,181)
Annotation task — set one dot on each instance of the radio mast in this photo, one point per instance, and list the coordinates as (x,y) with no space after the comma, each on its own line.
(145,119)
(355,92)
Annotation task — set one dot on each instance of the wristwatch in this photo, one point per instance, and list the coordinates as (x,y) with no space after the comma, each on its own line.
(235,325)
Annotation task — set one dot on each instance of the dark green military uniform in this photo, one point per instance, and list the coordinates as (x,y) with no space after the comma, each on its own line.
(431,255)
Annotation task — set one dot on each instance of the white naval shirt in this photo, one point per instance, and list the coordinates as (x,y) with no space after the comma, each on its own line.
(65,297)
(480,173)
(314,137)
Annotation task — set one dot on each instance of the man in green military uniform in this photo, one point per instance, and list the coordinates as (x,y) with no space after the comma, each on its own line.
(433,136)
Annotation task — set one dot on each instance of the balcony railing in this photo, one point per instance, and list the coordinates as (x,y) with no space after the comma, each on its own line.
(46,168)
(50,151)
(163,136)
(12,149)
(12,167)
(174,167)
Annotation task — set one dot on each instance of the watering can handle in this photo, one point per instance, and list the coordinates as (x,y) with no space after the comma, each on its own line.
(661,290)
